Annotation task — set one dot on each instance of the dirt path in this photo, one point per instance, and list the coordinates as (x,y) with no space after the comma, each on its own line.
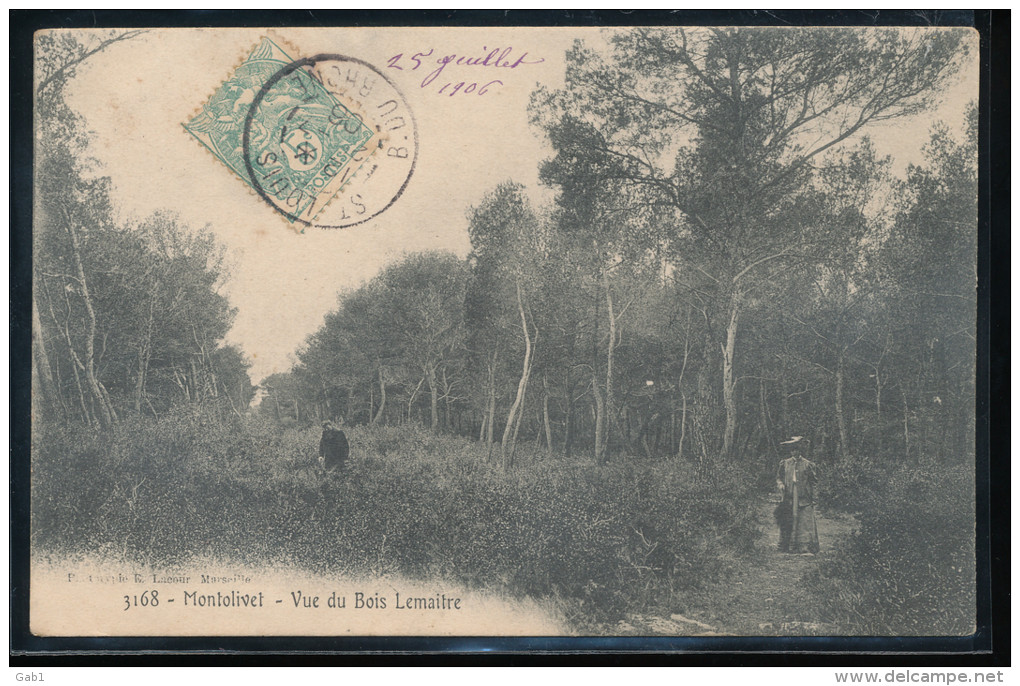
(765,599)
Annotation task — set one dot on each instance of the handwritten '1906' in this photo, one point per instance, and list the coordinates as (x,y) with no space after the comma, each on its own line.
(496,58)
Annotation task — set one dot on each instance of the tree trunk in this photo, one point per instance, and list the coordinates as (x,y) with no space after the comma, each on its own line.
(520,410)
(672,431)
(680,387)
(414,394)
(382,398)
(195,389)
(878,411)
(607,411)
(77,367)
(683,426)
(230,399)
(512,424)
(47,396)
(59,385)
(491,409)
(784,398)
(325,398)
(107,413)
(906,426)
(844,450)
(545,414)
(729,383)
(568,439)
(644,427)
(599,412)
(447,402)
(766,432)
(433,397)
(145,351)
(143,366)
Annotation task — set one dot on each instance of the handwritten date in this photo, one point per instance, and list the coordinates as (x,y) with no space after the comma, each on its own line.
(497,58)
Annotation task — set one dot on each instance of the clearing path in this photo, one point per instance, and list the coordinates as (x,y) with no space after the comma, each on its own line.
(765,598)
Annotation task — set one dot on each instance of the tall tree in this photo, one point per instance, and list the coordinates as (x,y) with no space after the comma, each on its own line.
(129,314)
(852,201)
(72,214)
(405,326)
(60,193)
(425,300)
(508,243)
(721,126)
(931,262)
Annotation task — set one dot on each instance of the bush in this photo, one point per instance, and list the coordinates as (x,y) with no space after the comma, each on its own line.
(601,539)
(910,569)
(843,483)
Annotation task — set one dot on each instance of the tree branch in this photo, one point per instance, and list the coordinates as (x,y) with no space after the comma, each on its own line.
(69,66)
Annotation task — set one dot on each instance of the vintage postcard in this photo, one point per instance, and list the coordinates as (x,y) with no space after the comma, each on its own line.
(512,331)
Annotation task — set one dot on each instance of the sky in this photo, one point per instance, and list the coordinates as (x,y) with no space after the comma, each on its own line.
(136,95)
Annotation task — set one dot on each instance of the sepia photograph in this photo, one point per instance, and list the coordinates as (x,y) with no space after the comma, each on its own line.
(657,331)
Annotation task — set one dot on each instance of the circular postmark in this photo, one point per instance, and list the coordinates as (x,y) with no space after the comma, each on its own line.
(329,142)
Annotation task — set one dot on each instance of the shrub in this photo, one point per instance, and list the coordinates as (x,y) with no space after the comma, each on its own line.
(846,483)
(910,569)
(601,539)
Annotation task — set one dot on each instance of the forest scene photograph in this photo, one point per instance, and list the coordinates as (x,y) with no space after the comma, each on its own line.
(670,332)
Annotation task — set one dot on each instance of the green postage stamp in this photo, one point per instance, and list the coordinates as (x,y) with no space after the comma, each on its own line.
(283,132)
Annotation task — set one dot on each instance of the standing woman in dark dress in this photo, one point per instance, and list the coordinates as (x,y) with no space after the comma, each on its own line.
(333,447)
(796,480)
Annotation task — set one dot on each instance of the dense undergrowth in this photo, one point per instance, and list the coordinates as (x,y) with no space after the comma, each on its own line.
(909,568)
(595,540)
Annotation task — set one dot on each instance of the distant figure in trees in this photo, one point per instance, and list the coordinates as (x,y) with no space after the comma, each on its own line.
(796,478)
(333,447)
